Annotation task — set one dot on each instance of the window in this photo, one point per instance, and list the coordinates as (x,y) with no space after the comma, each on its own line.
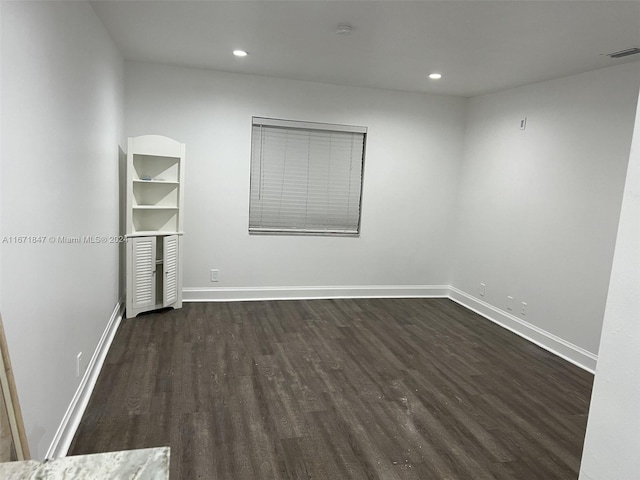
(306,178)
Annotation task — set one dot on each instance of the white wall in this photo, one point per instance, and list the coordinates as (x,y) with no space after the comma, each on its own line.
(612,441)
(61,125)
(411,173)
(538,208)
(536,216)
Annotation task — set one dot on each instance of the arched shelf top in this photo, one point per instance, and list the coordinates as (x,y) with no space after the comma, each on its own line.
(156,145)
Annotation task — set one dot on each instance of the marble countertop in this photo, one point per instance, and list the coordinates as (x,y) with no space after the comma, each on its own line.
(145,464)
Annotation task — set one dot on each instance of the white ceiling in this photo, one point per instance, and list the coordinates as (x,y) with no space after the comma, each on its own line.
(478,46)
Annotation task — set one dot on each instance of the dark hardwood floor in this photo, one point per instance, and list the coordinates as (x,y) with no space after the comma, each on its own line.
(338,389)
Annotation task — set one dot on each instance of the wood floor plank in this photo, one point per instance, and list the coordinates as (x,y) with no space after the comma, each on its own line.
(377,389)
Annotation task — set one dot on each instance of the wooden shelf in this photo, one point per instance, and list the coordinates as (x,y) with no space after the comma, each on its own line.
(148,233)
(156,182)
(153,207)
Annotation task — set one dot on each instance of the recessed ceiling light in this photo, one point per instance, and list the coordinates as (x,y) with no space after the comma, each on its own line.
(435,76)
(240,53)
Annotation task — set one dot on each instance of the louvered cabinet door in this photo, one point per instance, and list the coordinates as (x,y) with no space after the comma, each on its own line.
(143,281)
(171,265)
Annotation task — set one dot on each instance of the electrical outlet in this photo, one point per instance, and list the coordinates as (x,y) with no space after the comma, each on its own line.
(482,289)
(78,362)
(523,309)
(215,275)
(509,303)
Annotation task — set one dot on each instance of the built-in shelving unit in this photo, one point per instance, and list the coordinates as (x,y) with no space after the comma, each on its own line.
(155,176)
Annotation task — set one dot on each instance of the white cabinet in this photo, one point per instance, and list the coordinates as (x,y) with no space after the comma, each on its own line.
(170,261)
(155,171)
(143,272)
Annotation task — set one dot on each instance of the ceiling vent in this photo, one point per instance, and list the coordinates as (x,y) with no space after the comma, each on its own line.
(624,53)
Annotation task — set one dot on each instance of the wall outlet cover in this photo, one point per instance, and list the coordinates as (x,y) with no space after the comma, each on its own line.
(215,275)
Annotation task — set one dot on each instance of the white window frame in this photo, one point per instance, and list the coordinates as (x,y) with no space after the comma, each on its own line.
(264,219)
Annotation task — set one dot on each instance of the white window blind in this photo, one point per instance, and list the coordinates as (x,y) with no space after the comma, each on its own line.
(305,177)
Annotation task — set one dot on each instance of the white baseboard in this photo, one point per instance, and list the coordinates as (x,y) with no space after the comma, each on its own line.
(554,344)
(309,293)
(67,429)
